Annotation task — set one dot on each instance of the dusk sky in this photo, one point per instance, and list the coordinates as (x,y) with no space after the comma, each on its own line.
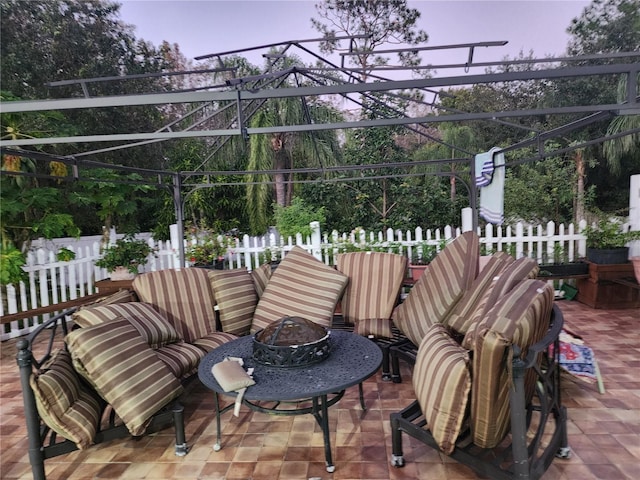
(202,27)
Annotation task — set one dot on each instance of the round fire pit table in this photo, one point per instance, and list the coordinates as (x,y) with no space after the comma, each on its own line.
(352,359)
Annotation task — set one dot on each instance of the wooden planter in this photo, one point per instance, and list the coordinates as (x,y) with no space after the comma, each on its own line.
(608,287)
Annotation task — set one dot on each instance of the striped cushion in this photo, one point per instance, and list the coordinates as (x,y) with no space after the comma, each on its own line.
(442,382)
(375,279)
(183,297)
(522,318)
(473,300)
(439,288)
(181,358)
(261,277)
(236,296)
(301,286)
(508,278)
(124,370)
(64,403)
(374,327)
(154,329)
(121,296)
(214,340)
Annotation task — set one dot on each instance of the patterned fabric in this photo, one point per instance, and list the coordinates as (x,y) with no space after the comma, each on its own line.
(375,279)
(213,340)
(64,404)
(434,295)
(121,296)
(236,296)
(181,358)
(124,370)
(261,277)
(374,327)
(509,277)
(301,286)
(183,297)
(520,318)
(154,329)
(464,313)
(442,382)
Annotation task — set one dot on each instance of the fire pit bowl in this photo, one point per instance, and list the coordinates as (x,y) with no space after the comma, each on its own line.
(291,342)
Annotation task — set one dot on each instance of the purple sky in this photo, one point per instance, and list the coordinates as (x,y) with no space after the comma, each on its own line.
(210,26)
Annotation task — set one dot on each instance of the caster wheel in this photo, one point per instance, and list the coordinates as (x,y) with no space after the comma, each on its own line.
(564,452)
(397,460)
(217,447)
(331,468)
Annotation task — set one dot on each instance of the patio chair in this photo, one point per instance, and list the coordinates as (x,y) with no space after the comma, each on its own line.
(496,409)
(375,280)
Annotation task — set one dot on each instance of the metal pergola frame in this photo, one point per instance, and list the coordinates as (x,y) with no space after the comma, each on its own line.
(247,94)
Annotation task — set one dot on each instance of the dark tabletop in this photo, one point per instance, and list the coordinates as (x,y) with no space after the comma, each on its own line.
(353,359)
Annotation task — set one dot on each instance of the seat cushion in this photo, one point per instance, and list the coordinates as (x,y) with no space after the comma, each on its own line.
(374,327)
(64,403)
(375,279)
(235,294)
(520,318)
(181,358)
(182,296)
(124,370)
(442,382)
(301,286)
(153,328)
(434,295)
(214,340)
(261,277)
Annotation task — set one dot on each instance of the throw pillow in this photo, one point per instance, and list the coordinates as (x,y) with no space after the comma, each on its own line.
(236,296)
(261,277)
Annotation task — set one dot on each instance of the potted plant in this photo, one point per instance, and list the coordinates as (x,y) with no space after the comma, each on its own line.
(123,258)
(560,265)
(208,251)
(607,240)
(421,255)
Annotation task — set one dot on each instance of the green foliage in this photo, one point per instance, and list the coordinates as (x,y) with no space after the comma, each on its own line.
(208,247)
(608,234)
(65,255)
(127,252)
(296,218)
(11,262)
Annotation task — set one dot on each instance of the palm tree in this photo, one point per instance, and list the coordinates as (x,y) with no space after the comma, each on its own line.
(617,148)
(283,151)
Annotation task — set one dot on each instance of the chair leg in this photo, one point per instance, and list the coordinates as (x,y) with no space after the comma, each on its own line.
(178,424)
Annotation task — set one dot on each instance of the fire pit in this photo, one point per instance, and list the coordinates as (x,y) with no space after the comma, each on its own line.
(291,342)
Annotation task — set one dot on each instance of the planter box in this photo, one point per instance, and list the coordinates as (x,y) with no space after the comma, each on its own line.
(601,291)
(608,256)
(416,271)
(563,270)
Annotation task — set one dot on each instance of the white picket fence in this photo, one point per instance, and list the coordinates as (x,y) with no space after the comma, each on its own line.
(50,281)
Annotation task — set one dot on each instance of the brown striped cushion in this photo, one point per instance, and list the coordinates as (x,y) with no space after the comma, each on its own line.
(508,278)
(374,327)
(442,382)
(236,296)
(183,297)
(474,299)
(522,318)
(64,403)
(301,286)
(121,296)
(124,370)
(181,358)
(439,288)
(214,340)
(375,279)
(154,329)
(261,277)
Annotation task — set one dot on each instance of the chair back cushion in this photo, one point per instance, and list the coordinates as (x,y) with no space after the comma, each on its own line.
(235,294)
(182,296)
(439,288)
(442,382)
(375,279)
(301,286)
(522,318)
(261,276)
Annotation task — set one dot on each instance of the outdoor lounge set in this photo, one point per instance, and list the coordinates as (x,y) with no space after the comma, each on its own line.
(486,382)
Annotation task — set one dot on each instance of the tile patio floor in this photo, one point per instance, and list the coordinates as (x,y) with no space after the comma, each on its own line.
(604,430)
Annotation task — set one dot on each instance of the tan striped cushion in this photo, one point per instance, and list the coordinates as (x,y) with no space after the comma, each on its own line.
(121,296)
(154,329)
(374,327)
(124,370)
(442,382)
(508,278)
(181,358)
(64,403)
(236,296)
(474,299)
(375,279)
(434,295)
(184,297)
(213,340)
(301,286)
(261,277)
(522,318)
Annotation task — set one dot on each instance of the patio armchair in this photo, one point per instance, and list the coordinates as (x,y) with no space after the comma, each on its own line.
(375,281)
(496,407)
